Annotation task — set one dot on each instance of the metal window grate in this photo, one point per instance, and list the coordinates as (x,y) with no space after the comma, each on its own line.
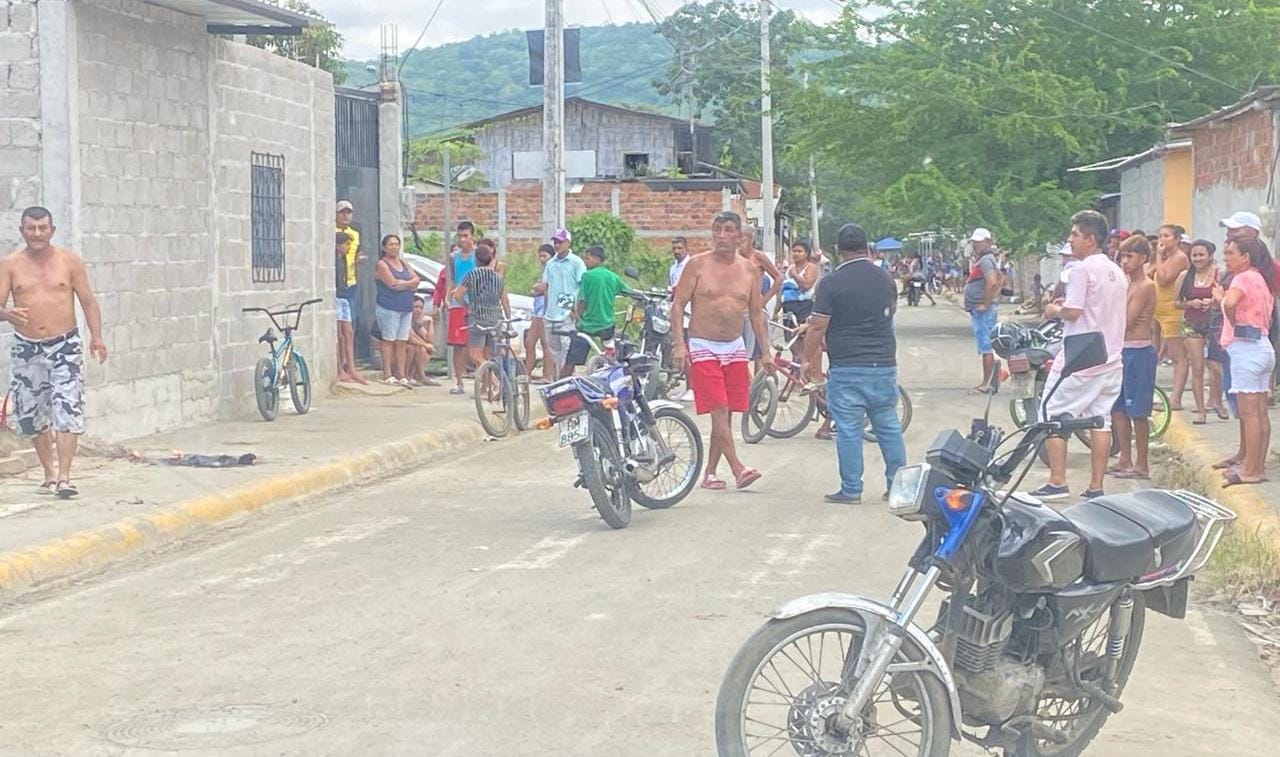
(267,217)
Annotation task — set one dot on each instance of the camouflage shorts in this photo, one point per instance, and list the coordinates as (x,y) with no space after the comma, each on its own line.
(48,384)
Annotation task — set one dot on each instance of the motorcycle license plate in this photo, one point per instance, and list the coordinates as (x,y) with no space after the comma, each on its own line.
(1022,386)
(574,429)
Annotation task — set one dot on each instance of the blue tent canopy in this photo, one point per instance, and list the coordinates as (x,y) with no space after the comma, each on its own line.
(888,244)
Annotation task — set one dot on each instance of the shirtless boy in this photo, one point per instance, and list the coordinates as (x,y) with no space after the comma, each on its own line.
(764,267)
(47,356)
(723,288)
(1131,415)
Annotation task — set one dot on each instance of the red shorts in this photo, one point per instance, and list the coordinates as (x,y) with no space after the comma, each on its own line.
(715,386)
(456,331)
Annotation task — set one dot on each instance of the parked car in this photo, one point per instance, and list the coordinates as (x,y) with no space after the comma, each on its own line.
(429,271)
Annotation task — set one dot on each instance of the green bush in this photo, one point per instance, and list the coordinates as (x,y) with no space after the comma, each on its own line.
(522,271)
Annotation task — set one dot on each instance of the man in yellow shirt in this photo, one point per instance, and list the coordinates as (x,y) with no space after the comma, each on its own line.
(347,252)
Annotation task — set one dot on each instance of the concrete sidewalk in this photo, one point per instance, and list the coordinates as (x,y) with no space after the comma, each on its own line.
(127,507)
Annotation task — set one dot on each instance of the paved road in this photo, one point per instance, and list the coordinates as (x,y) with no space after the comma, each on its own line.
(441,614)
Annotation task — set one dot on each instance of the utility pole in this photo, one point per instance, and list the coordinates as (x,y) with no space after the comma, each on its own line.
(447,175)
(553,119)
(766,134)
(814,239)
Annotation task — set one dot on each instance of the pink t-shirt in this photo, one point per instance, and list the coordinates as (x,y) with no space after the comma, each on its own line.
(1254,307)
(1099,288)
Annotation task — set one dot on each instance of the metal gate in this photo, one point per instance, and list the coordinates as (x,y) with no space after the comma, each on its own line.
(356,141)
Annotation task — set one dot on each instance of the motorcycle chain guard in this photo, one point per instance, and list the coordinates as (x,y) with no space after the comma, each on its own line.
(873,614)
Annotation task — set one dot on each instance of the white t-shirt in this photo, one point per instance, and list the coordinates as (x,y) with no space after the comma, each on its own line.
(1097,287)
(673,274)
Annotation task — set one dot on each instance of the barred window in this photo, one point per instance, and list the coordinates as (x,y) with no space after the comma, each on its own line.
(267,217)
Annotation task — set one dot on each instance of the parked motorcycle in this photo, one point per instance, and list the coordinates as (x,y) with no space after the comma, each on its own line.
(1034,643)
(1029,354)
(652,309)
(627,447)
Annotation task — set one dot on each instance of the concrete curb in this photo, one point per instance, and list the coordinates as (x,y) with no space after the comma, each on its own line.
(1252,510)
(88,550)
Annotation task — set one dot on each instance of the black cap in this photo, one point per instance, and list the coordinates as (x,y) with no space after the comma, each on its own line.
(852,238)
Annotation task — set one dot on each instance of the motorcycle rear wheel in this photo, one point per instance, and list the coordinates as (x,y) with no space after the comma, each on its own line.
(805,702)
(603,475)
(1094,716)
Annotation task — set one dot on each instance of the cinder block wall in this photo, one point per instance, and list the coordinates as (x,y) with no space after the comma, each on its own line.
(19,116)
(167,118)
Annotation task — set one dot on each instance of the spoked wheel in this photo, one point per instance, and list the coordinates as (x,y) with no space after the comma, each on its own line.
(604,476)
(1022,410)
(677,479)
(904,416)
(795,409)
(494,399)
(1075,714)
(265,389)
(762,404)
(1161,415)
(785,687)
(521,396)
(299,377)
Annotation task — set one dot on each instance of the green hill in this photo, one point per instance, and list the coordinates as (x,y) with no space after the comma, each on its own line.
(484,76)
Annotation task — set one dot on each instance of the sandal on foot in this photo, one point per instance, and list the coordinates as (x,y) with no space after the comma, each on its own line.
(67,490)
(822,434)
(746,477)
(1222,414)
(1232,478)
(1230,462)
(1116,470)
(48,487)
(1199,421)
(710,481)
(1132,473)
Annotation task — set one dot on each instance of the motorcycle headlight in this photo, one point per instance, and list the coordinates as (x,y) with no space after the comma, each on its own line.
(906,495)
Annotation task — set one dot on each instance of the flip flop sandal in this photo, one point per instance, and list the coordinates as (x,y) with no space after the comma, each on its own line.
(1232,478)
(711,482)
(1230,462)
(1223,415)
(1116,470)
(67,490)
(1133,474)
(823,435)
(48,487)
(746,478)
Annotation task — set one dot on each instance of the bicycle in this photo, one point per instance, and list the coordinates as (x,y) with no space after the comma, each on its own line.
(501,388)
(283,363)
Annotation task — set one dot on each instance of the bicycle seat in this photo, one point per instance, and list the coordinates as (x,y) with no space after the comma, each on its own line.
(268,338)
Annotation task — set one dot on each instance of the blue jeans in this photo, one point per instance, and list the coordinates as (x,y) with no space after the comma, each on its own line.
(855,393)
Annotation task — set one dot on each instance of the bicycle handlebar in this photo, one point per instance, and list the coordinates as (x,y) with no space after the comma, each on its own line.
(290,309)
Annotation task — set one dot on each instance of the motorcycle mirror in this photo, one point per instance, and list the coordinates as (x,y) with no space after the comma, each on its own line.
(1083,351)
(631,273)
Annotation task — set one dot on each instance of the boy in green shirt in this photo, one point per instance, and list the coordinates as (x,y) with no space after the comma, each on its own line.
(596,292)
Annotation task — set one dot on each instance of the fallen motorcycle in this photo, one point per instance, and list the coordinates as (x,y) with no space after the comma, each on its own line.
(1032,647)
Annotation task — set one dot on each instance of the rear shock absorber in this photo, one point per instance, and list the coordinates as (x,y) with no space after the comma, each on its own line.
(1118,635)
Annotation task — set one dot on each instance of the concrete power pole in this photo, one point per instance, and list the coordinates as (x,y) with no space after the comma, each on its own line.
(814,239)
(553,178)
(766,134)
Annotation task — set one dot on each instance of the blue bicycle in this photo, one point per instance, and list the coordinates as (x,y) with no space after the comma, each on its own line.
(501,386)
(282,365)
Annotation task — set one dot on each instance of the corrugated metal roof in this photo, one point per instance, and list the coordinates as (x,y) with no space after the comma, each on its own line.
(242,16)
(1262,96)
(1115,164)
(532,109)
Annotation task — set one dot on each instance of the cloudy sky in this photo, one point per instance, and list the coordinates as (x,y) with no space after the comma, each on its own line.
(358,20)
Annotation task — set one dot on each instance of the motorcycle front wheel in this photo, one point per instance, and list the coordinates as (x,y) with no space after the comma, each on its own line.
(785,685)
(1079,716)
(678,431)
(603,475)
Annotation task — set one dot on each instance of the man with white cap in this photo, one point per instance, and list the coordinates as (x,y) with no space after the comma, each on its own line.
(980,291)
(561,276)
(1242,225)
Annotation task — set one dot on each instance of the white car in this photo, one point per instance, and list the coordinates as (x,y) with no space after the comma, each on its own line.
(429,271)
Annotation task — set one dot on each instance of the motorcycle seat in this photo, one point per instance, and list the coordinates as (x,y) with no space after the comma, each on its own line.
(1130,535)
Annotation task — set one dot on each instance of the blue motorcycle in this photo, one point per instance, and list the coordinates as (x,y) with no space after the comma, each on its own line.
(1031,648)
(627,447)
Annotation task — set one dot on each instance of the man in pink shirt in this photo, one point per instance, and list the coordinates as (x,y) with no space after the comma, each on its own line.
(1096,301)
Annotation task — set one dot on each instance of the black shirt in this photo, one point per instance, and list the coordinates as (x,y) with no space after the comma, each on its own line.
(858,297)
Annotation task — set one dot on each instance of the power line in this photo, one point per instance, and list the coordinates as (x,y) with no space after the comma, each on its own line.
(417,41)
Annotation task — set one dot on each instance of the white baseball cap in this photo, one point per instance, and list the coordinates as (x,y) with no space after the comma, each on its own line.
(1242,219)
(980,235)
(345,205)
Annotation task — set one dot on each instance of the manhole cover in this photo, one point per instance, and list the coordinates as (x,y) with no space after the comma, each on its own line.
(213,727)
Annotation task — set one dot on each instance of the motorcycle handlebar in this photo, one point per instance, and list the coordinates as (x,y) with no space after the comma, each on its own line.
(1080,424)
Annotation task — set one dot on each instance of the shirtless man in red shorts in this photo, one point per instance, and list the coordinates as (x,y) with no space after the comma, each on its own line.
(723,288)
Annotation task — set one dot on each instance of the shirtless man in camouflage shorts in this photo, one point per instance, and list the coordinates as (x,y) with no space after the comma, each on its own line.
(47,357)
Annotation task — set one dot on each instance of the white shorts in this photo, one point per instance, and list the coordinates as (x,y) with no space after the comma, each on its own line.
(1085,396)
(343,308)
(1252,364)
(557,344)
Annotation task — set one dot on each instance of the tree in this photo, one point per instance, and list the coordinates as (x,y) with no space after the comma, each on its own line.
(319,45)
(426,159)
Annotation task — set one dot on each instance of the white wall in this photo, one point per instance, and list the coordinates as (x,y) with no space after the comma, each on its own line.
(1142,196)
(19,116)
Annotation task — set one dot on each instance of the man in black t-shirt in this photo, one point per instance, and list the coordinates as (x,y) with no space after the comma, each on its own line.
(853,316)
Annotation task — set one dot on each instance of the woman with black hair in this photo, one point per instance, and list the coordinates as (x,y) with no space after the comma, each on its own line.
(1200,323)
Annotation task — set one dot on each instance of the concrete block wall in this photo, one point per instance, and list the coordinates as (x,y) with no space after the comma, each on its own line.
(19,116)
(143,117)
(266,104)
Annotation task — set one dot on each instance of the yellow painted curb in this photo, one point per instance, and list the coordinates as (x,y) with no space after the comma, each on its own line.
(1252,510)
(87,550)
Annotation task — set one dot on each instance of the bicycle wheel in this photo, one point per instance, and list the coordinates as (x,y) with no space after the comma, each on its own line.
(494,399)
(904,415)
(521,395)
(299,377)
(795,409)
(1161,415)
(265,389)
(762,404)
